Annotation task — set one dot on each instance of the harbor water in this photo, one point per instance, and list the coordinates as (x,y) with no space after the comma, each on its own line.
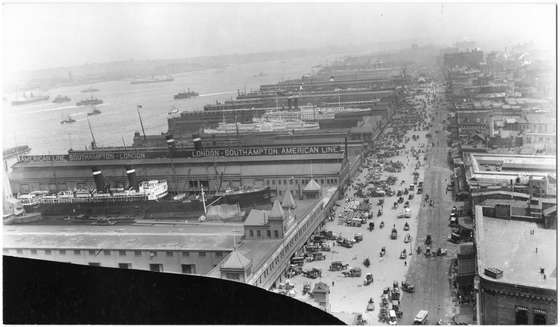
(38,124)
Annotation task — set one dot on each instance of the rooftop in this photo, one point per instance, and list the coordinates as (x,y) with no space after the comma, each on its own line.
(172,237)
(509,246)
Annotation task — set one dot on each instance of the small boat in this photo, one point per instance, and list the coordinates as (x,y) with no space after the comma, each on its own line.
(68,120)
(173,111)
(185,95)
(61,99)
(89,102)
(95,111)
(89,90)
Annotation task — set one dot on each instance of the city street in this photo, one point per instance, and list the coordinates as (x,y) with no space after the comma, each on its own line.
(348,296)
(431,274)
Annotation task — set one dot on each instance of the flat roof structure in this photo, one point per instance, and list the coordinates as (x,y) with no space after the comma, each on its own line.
(173,237)
(518,248)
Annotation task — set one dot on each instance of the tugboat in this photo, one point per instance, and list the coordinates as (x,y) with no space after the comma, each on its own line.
(89,102)
(61,99)
(95,111)
(68,120)
(89,90)
(185,95)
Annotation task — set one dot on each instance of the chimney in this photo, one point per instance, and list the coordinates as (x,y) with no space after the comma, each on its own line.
(131,175)
(99,180)
(197,141)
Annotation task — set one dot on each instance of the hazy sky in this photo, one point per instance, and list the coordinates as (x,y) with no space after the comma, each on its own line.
(50,35)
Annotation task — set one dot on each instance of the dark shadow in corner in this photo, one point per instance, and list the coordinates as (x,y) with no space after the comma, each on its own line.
(44,292)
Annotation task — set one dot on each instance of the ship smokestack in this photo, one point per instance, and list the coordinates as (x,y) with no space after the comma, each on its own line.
(99,179)
(170,140)
(131,175)
(197,141)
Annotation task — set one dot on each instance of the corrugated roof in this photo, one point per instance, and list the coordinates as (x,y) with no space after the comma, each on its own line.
(236,261)
(257,218)
(312,186)
(276,211)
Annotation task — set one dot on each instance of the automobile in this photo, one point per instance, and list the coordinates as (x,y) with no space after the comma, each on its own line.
(406,226)
(358,237)
(421,317)
(403,254)
(394,234)
(371,305)
(369,279)
(353,272)
(411,187)
(454,238)
(392,317)
(407,287)
(407,238)
(453,221)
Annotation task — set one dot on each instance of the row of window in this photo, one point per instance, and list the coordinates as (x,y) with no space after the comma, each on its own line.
(158,267)
(218,254)
(268,233)
(304,182)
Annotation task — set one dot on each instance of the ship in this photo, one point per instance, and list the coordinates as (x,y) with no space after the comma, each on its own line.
(89,102)
(31,98)
(185,95)
(68,120)
(61,99)
(145,199)
(95,111)
(89,90)
(153,80)
(263,125)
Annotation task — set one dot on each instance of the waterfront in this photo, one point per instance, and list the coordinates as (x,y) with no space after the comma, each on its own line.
(38,124)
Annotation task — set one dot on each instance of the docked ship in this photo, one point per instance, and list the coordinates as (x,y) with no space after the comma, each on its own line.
(89,102)
(31,98)
(144,199)
(185,95)
(95,111)
(61,99)
(153,80)
(262,125)
(90,90)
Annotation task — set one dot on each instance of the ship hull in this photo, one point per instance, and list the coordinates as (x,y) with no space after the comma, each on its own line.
(151,209)
(22,102)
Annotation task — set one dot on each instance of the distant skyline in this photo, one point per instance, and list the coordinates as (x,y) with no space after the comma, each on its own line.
(46,35)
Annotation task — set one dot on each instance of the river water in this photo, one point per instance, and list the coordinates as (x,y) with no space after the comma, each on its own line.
(38,124)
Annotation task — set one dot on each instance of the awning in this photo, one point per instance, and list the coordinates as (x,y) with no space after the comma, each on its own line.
(521,308)
(541,311)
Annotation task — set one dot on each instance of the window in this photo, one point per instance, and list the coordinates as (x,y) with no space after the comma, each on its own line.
(219,254)
(106,252)
(521,315)
(124,265)
(267,182)
(122,252)
(234,276)
(193,184)
(251,233)
(185,253)
(258,233)
(201,254)
(169,253)
(204,184)
(276,234)
(77,252)
(62,252)
(188,269)
(153,253)
(33,251)
(91,252)
(47,251)
(539,317)
(137,253)
(19,251)
(268,234)
(156,267)
(94,264)
(273,182)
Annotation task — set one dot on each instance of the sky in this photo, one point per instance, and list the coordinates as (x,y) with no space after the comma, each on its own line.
(44,35)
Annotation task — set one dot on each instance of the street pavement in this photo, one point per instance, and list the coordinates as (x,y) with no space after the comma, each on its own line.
(431,274)
(348,296)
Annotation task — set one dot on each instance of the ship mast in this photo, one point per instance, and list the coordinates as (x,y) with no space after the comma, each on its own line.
(203,199)
(93,143)
(141,124)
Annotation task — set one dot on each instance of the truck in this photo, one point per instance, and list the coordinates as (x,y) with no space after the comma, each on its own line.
(421,317)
